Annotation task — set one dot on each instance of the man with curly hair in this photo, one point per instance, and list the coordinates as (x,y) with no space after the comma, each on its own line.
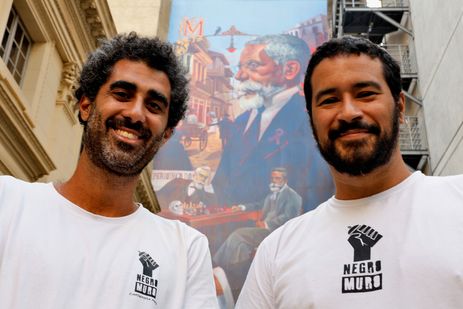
(85,243)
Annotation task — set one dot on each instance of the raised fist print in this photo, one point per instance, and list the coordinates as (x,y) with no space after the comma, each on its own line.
(148,263)
(362,238)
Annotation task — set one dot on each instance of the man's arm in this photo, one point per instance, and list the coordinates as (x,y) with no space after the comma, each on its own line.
(254,205)
(257,292)
(200,289)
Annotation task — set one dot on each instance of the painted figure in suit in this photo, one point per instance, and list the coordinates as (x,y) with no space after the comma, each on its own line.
(273,130)
(188,191)
(280,205)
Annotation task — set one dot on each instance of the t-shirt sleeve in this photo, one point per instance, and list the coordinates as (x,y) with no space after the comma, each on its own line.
(257,291)
(200,289)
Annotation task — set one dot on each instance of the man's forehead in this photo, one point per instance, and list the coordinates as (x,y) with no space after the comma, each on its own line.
(252,51)
(359,67)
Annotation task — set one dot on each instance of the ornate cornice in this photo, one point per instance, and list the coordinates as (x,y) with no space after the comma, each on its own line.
(89,7)
(145,193)
(98,18)
(66,90)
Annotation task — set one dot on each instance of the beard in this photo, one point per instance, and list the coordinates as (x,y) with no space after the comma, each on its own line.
(360,157)
(274,187)
(252,95)
(117,157)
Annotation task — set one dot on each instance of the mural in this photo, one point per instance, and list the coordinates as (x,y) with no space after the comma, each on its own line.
(243,161)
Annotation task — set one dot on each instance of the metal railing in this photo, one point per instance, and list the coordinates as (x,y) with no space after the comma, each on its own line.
(411,135)
(402,54)
(378,4)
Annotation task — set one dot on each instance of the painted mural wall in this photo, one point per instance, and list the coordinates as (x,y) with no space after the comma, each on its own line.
(243,161)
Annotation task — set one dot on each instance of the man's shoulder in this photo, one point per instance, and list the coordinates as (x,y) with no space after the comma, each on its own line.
(173,228)
(12,184)
(444,183)
(291,191)
(291,229)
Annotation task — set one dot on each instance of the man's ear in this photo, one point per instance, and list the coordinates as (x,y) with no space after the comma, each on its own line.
(85,106)
(167,134)
(291,69)
(401,107)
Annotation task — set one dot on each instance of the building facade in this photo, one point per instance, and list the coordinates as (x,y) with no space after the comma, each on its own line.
(43,46)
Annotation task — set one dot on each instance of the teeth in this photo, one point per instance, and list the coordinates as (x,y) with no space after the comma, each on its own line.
(126,134)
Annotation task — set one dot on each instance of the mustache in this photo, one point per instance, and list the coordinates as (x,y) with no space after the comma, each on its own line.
(248,86)
(345,126)
(115,123)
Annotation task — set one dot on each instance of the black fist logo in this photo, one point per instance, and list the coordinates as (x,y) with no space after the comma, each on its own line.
(148,263)
(362,238)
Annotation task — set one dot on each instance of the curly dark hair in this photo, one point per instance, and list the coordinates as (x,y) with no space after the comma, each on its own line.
(349,45)
(153,52)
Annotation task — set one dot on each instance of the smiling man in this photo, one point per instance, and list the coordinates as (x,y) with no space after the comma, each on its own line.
(85,243)
(389,238)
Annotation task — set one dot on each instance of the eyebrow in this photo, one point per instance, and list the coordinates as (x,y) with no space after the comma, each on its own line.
(123,84)
(157,96)
(152,94)
(365,84)
(359,85)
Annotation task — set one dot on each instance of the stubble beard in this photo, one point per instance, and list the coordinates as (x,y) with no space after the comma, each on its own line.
(113,156)
(361,157)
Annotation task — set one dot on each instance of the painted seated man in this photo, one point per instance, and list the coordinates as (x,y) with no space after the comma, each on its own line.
(280,205)
(180,190)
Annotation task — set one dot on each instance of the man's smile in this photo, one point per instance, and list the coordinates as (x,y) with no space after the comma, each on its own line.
(354,133)
(126,134)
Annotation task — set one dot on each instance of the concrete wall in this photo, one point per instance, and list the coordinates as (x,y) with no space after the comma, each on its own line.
(438,32)
(146,17)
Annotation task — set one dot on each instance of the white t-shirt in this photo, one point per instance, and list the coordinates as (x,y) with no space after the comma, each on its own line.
(54,254)
(401,248)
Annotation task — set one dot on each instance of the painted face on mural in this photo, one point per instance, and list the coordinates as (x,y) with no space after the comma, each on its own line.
(278,180)
(200,177)
(355,118)
(260,77)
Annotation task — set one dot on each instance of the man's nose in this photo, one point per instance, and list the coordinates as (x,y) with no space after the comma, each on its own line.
(241,75)
(349,109)
(135,110)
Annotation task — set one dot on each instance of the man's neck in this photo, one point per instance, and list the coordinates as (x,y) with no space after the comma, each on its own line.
(381,179)
(98,191)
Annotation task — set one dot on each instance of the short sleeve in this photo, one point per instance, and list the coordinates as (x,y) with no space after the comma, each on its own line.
(200,290)
(257,291)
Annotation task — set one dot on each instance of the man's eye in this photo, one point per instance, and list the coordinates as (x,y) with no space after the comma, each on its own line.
(366,94)
(252,65)
(154,106)
(121,95)
(328,101)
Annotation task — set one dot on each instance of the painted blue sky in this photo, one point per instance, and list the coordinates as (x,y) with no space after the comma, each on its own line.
(257,17)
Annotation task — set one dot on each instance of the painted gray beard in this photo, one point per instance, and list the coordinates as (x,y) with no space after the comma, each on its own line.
(275,187)
(198,185)
(260,94)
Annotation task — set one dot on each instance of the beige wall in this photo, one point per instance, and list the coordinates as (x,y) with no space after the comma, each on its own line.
(439,46)
(146,17)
